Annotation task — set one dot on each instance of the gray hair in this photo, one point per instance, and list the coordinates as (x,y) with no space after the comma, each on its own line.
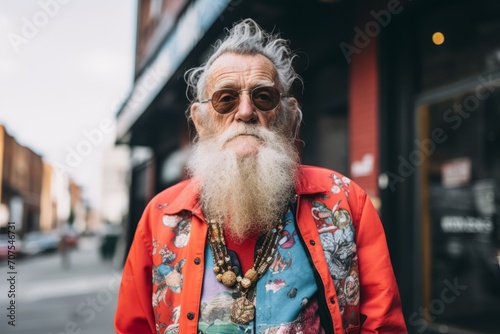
(248,38)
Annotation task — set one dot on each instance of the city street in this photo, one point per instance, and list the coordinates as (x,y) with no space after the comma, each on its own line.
(52,299)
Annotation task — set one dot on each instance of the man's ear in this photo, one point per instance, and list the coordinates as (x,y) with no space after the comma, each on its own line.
(195,114)
(296,117)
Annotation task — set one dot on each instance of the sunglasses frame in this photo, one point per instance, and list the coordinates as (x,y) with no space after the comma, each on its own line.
(281,95)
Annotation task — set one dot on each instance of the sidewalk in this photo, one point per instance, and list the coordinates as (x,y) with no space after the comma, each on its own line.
(51,299)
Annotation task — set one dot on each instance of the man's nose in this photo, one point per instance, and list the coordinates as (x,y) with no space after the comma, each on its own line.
(246,111)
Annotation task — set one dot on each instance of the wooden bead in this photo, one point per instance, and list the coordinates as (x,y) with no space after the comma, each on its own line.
(246,283)
(229,279)
(251,275)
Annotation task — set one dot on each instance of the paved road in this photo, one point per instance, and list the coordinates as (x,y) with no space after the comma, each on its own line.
(51,299)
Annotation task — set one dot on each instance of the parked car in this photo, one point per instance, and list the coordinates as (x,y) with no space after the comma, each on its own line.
(4,247)
(40,242)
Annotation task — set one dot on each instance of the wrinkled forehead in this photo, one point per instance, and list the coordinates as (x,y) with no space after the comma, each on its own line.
(241,71)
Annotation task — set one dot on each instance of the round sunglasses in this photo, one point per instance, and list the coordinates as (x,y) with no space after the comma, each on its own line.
(225,101)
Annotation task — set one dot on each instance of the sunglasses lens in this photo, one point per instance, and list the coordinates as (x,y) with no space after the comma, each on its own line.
(265,98)
(225,100)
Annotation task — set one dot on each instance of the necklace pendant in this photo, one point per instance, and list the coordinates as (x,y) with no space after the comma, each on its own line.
(242,311)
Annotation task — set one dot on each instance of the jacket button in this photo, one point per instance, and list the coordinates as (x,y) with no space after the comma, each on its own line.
(197,260)
(190,315)
(332,300)
(312,242)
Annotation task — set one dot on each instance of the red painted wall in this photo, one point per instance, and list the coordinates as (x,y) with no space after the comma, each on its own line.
(363,115)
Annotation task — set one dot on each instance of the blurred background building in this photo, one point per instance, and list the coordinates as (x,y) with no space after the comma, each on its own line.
(31,197)
(44,202)
(401,96)
(23,175)
(54,252)
(31,193)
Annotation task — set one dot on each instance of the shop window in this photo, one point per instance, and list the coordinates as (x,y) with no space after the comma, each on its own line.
(459,158)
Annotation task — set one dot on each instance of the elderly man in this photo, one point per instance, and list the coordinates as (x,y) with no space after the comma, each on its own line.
(254,242)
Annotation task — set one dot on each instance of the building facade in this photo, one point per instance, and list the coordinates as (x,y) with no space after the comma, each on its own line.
(401,96)
(32,194)
(21,174)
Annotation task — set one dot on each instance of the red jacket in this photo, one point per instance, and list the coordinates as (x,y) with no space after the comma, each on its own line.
(337,223)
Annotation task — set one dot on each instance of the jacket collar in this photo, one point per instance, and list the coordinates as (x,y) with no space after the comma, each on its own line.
(188,197)
(308,182)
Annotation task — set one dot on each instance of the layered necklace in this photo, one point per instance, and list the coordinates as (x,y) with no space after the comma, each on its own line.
(242,308)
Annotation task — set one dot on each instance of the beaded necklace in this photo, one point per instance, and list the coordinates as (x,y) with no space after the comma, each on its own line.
(242,309)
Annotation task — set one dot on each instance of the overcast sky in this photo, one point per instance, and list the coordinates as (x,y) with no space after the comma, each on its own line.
(65,65)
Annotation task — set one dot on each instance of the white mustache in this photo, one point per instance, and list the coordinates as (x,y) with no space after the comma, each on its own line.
(234,132)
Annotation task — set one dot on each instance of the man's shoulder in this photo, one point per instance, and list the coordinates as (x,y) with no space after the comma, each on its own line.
(320,179)
(332,188)
(180,196)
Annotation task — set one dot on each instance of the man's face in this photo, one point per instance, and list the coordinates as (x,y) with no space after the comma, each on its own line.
(236,72)
(245,160)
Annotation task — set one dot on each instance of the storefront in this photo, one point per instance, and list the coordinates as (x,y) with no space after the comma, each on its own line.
(441,179)
(459,183)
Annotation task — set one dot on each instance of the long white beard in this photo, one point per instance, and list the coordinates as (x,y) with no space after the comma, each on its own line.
(247,194)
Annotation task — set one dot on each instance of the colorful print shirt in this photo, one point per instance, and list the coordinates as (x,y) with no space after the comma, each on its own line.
(285,296)
(343,268)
